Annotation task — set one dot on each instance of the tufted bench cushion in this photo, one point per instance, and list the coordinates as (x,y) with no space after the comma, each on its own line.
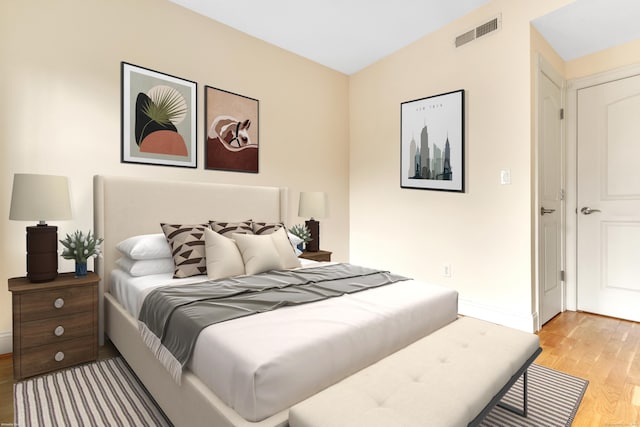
(447,378)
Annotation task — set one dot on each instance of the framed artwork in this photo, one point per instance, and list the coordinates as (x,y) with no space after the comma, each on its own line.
(158,118)
(231,131)
(432,142)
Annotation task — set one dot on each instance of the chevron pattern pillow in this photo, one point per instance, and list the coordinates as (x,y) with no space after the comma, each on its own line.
(226,228)
(266,227)
(187,248)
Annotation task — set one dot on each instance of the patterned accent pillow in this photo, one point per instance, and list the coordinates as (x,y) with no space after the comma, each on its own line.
(225,228)
(266,227)
(187,248)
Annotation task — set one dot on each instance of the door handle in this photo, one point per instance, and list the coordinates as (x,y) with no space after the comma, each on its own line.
(546,211)
(588,211)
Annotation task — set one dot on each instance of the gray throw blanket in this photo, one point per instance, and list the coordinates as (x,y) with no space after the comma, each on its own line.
(172,317)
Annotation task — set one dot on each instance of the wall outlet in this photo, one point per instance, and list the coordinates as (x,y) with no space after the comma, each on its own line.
(446,270)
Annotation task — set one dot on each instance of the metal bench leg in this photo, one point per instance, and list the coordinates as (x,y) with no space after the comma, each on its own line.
(518,411)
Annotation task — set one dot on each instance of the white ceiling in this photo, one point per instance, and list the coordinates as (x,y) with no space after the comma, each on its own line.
(345,35)
(349,35)
(588,26)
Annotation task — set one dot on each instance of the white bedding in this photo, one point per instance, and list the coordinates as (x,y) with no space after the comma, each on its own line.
(262,364)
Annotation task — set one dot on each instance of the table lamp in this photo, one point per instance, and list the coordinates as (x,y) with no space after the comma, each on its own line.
(313,205)
(40,198)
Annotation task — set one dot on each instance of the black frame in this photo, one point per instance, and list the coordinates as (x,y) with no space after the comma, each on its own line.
(241,107)
(128,116)
(443,116)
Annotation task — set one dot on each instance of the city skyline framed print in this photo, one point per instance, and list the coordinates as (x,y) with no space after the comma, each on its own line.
(158,118)
(432,142)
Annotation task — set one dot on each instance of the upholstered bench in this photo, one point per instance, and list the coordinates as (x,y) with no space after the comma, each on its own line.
(452,377)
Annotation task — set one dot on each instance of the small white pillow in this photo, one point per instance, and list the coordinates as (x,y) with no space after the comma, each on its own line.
(295,240)
(223,257)
(281,241)
(259,253)
(145,267)
(145,246)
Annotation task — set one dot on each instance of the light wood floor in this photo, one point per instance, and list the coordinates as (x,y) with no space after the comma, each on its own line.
(602,350)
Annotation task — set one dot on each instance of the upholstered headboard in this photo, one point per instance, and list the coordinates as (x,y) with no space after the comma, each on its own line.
(125,207)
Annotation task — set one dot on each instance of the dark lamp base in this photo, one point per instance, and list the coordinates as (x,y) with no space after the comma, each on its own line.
(42,253)
(314,228)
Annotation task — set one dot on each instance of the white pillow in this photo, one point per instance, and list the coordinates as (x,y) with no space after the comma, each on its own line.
(145,246)
(223,257)
(259,253)
(145,267)
(281,241)
(295,240)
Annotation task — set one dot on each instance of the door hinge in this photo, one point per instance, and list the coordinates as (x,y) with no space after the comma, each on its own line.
(562,194)
(562,275)
(562,114)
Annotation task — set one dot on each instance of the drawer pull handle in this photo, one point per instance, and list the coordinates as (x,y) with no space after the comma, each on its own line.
(58,303)
(58,331)
(59,357)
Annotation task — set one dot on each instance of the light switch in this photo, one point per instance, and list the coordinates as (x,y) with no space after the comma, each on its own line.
(505,176)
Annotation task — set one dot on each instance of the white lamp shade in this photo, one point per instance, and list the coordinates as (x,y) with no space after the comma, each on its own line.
(313,204)
(40,198)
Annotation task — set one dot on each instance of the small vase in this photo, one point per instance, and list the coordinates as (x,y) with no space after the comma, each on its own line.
(81,269)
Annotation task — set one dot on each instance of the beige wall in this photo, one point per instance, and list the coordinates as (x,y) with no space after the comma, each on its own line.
(485,234)
(319,130)
(609,59)
(60,108)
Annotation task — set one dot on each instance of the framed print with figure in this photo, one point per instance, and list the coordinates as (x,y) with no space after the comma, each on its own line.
(231,131)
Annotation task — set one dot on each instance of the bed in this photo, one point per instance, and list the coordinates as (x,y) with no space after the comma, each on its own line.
(125,207)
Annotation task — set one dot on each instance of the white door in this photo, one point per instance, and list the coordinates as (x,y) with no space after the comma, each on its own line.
(550,195)
(609,198)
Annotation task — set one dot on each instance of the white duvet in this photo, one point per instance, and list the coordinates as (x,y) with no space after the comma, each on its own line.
(262,364)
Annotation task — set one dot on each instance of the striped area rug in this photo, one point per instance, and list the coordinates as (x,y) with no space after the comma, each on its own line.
(105,393)
(554,398)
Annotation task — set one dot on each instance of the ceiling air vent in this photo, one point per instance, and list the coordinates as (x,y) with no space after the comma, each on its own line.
(481,30)
(467,37)
(487,28)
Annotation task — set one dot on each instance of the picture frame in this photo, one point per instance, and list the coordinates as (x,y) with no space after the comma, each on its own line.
(432,142)
(231,131)
(159,113)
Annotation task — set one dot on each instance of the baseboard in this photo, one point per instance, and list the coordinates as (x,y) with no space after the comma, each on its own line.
(6,342)
(493,314)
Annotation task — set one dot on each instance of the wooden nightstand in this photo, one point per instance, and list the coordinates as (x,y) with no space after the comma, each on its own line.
(316,256)
(55,324)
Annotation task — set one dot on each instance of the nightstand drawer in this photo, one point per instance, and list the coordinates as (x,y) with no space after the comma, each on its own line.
(55,356)
(56,302)
(56,329)
(57,317)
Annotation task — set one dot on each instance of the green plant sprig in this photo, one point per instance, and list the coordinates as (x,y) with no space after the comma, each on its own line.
(80,247)
(301,231)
